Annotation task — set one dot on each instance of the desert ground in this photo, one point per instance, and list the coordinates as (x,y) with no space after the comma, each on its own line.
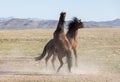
(98,56)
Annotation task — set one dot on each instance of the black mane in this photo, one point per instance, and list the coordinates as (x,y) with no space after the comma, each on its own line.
(71,24)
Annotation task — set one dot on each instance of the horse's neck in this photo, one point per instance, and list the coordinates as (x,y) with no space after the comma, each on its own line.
(72,34)
(60,26)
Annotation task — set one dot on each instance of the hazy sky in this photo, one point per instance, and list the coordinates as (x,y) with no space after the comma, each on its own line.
(49,9)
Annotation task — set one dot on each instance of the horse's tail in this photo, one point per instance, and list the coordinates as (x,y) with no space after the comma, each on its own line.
(42,55)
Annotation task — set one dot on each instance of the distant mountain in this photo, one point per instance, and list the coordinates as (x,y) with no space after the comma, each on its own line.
(20,24)
(112,23)
(35,23)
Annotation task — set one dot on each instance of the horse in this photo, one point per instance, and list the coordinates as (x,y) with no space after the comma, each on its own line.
(62,45)
(72,32)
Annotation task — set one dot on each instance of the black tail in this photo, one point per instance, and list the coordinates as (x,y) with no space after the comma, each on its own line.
(42,55)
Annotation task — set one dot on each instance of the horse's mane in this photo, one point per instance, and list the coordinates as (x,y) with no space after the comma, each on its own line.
(72,22)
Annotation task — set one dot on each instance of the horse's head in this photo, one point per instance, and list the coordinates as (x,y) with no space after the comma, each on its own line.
(62,16)
(76,24)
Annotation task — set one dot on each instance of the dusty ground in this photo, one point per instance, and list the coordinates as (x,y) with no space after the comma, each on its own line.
(59,78)
(98,55)
(25,69)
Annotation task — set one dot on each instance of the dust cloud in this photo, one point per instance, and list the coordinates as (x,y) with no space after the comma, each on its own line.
(16,63)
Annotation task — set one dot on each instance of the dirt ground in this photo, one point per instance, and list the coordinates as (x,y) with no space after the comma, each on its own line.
(59,78)
(25,69)
(98,57)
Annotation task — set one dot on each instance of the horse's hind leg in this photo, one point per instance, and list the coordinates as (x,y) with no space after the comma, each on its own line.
(61,63)
(47,58)
(53,61)
(69,60)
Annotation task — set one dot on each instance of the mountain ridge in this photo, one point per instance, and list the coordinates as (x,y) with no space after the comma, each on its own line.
(36,23)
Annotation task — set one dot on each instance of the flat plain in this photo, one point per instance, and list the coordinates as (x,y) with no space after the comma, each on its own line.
(98,56)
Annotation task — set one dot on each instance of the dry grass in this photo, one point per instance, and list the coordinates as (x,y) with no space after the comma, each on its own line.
(98,54)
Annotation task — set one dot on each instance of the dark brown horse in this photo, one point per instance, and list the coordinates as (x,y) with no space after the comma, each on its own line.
(73,27)
(72,33)
(62,45)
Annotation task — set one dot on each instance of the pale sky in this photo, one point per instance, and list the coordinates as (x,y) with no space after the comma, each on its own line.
(87,10)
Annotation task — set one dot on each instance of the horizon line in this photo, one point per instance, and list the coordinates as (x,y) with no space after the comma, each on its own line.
(33,18)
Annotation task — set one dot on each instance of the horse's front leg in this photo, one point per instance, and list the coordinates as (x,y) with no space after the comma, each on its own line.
(75,54)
